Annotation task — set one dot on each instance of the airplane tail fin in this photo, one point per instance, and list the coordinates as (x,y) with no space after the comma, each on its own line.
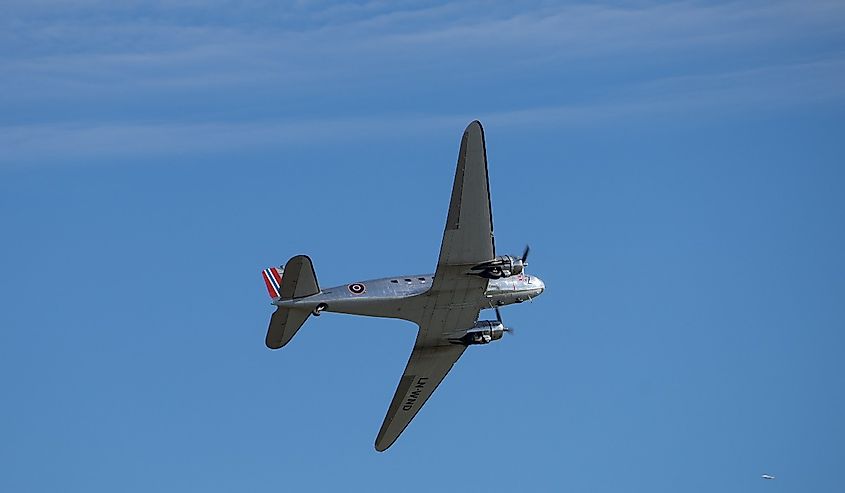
(273,281)
(296,280)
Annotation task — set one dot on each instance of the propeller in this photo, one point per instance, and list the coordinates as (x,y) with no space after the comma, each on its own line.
(499,319)
(525,255)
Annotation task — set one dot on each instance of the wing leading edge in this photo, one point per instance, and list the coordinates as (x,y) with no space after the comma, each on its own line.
(455,298)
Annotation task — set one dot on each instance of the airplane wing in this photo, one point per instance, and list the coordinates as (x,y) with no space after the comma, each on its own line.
(455,298)
(424,372)
(453,301)
(468,238)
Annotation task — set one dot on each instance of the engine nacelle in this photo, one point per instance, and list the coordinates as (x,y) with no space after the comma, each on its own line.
(483,332)
(502,266)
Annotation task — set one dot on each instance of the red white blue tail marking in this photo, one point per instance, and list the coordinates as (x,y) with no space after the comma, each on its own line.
(273,281)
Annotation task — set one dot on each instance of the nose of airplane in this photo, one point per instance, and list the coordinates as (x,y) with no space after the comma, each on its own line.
(541,286)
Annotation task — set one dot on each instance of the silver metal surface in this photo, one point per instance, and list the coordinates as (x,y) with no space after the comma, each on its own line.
(445,305)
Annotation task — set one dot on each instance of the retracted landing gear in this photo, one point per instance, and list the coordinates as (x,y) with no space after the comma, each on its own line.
(319,309)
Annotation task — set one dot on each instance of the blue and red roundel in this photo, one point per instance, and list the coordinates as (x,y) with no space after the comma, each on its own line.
(357,288)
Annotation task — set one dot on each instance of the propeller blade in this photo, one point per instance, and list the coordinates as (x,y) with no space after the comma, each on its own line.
(499,319)
(525,255)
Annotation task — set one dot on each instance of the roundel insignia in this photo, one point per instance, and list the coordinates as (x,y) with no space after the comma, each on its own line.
(357,288)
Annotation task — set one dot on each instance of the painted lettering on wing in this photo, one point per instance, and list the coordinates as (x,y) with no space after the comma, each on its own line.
(416,390)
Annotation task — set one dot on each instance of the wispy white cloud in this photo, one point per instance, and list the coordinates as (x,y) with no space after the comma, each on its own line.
(135,49)
(770,87)
(611,60)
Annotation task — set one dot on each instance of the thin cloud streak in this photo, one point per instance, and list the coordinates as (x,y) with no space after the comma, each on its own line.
(153,53)
(717,94)
(713,58)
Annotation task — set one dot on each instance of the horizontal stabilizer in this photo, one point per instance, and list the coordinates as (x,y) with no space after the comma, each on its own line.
(283,326)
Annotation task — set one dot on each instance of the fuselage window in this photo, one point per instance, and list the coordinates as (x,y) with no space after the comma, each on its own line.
(394,281)
(422,279)
(408,281)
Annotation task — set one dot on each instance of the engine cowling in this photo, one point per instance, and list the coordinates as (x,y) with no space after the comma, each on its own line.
(502,266)
(483,332)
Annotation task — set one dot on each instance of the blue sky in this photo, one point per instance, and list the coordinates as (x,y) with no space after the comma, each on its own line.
(677,168)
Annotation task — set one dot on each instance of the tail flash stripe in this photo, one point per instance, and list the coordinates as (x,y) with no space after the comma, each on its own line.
(277,277)
(273,286)
(274,278)
(270,289)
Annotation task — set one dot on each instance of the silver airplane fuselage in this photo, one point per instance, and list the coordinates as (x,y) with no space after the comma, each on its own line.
(391,297)
(445,306)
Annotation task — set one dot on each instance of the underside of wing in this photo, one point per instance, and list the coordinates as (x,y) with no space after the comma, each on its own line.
(426,369)
(456,296)
(468,238)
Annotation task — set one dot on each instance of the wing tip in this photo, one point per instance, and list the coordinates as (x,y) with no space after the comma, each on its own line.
(381,446)
(272,343)
(474,124)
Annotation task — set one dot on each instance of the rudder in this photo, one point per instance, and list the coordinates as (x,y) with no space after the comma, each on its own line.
(273,281)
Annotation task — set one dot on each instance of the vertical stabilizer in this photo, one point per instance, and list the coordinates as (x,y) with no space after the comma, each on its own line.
(300,279)
(296,280)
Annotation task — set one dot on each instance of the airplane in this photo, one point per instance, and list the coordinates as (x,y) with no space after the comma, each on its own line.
(445,305)
(767,476)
